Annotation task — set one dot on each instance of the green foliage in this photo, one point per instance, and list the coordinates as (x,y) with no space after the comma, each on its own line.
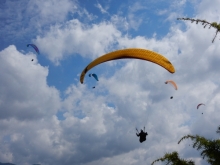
(204,23)
(210,149)
(173,159)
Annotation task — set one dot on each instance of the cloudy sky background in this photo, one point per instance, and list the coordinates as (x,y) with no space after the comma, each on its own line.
(48,117)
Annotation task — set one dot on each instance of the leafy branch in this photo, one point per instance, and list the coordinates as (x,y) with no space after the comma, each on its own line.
(204,23)
(210,148)
(173,158)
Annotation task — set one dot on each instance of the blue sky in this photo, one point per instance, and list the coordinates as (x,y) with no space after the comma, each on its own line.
(48,117)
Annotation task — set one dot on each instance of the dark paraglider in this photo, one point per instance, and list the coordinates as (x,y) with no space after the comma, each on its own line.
(199,106)
(142,135)
(35,48)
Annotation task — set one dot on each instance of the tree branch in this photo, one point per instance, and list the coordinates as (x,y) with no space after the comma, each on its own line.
(204,23)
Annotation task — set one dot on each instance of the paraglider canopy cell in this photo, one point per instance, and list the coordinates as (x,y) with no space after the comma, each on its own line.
(172,83)
(94,75)
(200,105)
(35,47)
(131,53)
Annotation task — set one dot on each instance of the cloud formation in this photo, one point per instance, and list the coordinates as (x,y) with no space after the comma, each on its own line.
(97,126)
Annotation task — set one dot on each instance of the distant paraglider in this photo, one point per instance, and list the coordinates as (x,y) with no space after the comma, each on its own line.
(35,48)
(173,84)
(133,53)
(95,76)
(200,105)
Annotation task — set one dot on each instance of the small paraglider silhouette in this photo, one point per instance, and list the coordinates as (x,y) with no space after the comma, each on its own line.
(35,48)
(173,84)
(142,135)
(95,76)
(199,106)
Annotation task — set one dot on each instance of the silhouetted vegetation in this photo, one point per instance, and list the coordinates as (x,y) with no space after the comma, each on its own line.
(173,158)
(204,23)
(209,150)
(12,164)
(6,163)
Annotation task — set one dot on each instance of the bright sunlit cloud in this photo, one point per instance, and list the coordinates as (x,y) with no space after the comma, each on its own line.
(49,117)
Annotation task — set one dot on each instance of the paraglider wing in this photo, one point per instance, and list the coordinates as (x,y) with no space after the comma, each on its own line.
(135,53)
(95,76)
(200,105)
(172,83)
(35,47)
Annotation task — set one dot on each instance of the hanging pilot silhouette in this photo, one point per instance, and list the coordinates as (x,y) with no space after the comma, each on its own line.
(142,135)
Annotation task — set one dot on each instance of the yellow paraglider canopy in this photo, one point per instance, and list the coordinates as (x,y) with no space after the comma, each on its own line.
(136,53)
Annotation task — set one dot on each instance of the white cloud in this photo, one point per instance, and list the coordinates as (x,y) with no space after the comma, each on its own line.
(27,108)
(99,125)
(135,19)
(120,22)
(77,38)
(23,20)
(51,11)
(99,6)
(24,86)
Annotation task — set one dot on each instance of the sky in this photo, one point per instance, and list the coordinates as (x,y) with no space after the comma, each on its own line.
(48,117)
